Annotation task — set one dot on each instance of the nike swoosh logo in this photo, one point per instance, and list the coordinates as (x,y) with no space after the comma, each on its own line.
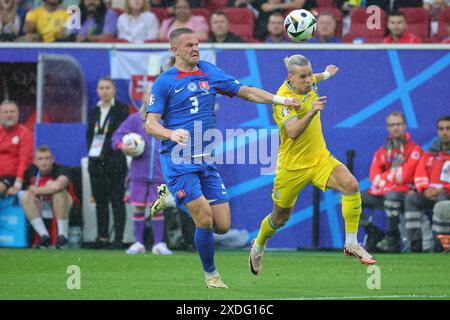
(178,90)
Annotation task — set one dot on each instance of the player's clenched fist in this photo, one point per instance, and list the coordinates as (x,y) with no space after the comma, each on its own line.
(332,69)
(318,104)
(180,136)
(292,101)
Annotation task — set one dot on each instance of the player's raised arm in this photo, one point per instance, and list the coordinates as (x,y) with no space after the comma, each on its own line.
(295,127)
(154,128)
(330,71)
(262,96)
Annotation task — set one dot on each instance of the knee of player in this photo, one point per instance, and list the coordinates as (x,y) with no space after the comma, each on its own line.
(221,229)
(204,221)
(350,186)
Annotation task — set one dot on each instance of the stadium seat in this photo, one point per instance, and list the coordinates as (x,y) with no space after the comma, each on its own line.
(325,4)
(117,40)
(161,13)
(242,21)
(418,20)
(337,14)
(443,20)
(358,27)
(202,12)
(214,5)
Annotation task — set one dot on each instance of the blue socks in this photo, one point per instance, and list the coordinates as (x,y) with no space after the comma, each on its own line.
(204,242)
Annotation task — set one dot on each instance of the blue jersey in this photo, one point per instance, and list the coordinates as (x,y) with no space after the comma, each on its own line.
(187,98)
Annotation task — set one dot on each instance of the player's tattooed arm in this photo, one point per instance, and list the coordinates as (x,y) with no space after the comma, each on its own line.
(295,127)
(154,128)
(330,71)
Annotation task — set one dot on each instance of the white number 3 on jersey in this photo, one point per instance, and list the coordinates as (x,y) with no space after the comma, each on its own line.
(194,101)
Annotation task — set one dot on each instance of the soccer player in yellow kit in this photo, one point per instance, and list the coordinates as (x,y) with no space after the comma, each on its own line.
(304,158)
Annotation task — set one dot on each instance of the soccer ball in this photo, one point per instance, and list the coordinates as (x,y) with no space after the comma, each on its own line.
(300,25)
(136,140)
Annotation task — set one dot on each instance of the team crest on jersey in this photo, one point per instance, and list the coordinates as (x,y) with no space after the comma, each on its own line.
(285,111)
(204,85)
(277,194)
(192,87)
(15,140)
(415,155)
(181,194)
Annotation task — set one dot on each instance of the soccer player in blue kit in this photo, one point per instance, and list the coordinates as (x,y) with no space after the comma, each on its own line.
(183,97)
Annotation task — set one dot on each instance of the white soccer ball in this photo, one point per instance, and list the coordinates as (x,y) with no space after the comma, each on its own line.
(300,25)
(136,140)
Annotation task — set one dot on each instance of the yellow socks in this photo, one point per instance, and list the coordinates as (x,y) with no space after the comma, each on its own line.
(266,231)
(351,211)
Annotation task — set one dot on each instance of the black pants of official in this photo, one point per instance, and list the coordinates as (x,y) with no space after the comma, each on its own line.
(109,189)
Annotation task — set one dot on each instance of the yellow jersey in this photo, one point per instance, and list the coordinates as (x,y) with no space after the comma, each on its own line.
(310,146)
(49,25)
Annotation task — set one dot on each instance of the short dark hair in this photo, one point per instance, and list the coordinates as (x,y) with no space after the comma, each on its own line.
(220,13)
(175,34)
(44,148)
(107,78)
(443,118)
(396,14)
(276,14)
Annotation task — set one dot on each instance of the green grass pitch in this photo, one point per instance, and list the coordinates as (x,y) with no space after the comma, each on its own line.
(37,274)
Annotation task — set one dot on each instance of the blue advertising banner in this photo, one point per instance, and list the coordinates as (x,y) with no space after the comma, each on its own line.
(369,85)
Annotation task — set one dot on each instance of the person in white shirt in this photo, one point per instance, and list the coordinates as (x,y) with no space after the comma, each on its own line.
(137,24)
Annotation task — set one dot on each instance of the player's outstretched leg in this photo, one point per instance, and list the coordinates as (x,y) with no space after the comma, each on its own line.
(269,226)
(342,180)
(164,201)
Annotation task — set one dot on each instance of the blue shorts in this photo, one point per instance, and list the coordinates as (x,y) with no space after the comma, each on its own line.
(188,182)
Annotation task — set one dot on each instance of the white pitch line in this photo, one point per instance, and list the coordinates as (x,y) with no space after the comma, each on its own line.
(374,297)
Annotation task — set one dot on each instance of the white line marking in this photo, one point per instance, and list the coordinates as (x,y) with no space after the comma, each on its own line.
(412,296)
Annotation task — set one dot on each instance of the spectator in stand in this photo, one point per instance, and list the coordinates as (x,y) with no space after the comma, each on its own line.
(184,18)
(432,181)
(48,188)
(441,223)
(98,23)
(169,4)
(10,20)
(267,7)
(326,29)
(220,29)
(391,177)
(275,29)
(107,167)
(397,26)
(435,7)
(46,23)
(446,39)
(16,149)
(407,4)
(137,24)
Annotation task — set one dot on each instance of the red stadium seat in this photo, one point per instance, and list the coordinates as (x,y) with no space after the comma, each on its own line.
(202,12)
(214,5)
(325,3)
(116,40)
(161,13)
(418,20)
(358,27)
(242,21)
(337,14)
(443,20)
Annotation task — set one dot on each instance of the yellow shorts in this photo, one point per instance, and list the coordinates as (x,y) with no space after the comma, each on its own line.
(289,183)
